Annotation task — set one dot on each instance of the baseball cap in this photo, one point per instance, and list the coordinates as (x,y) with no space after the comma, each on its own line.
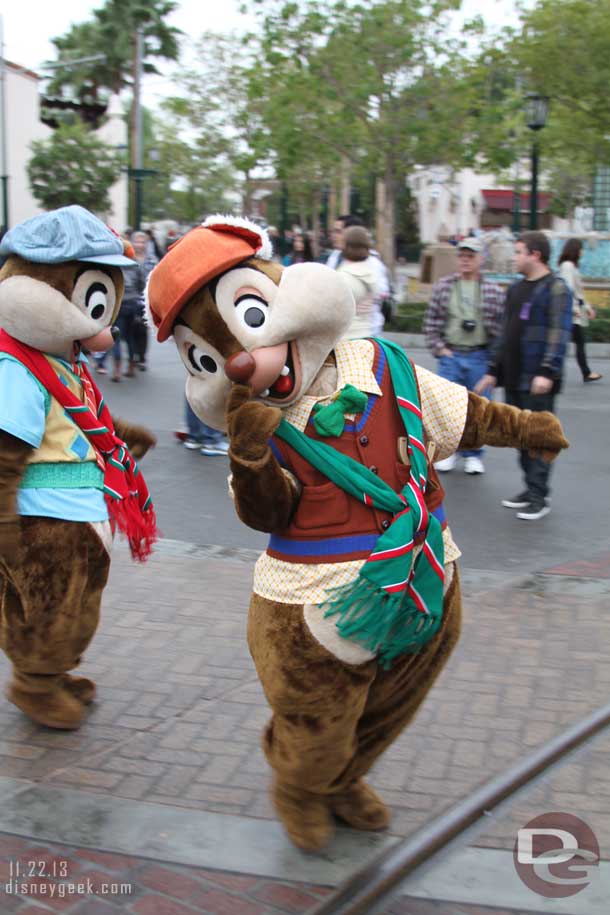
(68,234)
(471,244)
(205,252)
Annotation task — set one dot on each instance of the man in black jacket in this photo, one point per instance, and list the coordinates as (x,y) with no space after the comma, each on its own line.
(527,359)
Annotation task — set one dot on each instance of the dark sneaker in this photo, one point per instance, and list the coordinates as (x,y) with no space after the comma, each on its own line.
(520,501)
(534,511)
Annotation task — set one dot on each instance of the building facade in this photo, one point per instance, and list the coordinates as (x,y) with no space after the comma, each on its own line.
(453,203)
(21,125)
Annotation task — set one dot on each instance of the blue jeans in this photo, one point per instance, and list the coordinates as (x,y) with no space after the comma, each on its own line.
(465,369)
(198,430)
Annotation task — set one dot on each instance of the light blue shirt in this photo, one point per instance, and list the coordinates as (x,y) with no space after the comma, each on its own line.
(24,405)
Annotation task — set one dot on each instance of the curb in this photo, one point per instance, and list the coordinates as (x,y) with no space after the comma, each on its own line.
(417,341)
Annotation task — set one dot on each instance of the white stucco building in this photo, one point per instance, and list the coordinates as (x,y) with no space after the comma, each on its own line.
(22,125)
(448,202)
(114,133)
(454,202)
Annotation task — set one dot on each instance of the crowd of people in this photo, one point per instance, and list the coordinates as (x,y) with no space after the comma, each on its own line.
(481,336)
(131,320)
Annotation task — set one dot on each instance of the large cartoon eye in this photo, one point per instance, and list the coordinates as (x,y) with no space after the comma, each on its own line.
(200,361)
(94,293)
(252,310)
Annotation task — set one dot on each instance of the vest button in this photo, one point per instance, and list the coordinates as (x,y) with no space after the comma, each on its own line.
(364,440)
(374,469)
(385,524)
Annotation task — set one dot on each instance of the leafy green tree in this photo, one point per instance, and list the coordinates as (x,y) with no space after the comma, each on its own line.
(73,166)
(111,32)
(191,175)
(375,83)
(562,51)
(559,50)
(218,107)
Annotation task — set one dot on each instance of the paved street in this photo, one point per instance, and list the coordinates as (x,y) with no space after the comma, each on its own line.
(165,787)
(190,491)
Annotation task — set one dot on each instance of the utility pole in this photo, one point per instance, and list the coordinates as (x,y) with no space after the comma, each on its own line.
(516,226)
(534,191)
(3,162)
(135,171)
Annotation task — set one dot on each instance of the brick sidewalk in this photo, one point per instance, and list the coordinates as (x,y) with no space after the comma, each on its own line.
(98,883)
(180,709)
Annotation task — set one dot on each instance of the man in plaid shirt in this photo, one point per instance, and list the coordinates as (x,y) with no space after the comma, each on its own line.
(463,318)
(527,359)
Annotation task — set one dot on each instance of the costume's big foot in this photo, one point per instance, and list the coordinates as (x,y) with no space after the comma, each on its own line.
(305,817)
(44,700)
(360,807)
(82,688)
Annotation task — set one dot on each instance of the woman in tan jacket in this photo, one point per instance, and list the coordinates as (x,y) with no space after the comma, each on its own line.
(358,270)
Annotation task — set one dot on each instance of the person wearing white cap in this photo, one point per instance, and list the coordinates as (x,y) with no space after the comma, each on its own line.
(464,315)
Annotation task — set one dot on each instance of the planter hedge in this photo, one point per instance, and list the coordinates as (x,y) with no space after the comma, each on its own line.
(410,315)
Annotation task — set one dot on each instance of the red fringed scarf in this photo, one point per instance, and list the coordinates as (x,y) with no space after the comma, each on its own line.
(129,504)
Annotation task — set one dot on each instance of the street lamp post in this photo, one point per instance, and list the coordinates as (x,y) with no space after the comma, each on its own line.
(516,208)
(536,110)
(139,175)
(4,225)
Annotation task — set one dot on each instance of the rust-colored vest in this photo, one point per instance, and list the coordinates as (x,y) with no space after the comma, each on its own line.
(329,525)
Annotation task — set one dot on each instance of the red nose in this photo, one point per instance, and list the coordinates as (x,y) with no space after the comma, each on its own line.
(240,367)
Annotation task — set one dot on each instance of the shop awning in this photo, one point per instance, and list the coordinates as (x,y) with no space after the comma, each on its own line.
(502,200)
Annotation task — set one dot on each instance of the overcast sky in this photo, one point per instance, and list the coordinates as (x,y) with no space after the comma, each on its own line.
(30,24)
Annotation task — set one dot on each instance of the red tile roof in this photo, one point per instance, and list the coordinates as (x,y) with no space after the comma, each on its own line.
(503,200)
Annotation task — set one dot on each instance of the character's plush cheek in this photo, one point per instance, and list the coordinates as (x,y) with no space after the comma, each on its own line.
(94,294)
(200,358)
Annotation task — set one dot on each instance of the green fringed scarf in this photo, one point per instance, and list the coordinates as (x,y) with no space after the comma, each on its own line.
(395,605)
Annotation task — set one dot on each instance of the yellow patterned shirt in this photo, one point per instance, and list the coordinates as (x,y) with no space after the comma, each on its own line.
(444,407)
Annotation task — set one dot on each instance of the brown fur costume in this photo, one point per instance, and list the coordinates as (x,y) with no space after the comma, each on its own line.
(334,708)
(52,571)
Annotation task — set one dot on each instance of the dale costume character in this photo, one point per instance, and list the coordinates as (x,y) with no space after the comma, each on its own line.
(356,602)
(67,478)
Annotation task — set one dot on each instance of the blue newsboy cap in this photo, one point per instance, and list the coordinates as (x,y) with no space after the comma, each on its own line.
(68,234)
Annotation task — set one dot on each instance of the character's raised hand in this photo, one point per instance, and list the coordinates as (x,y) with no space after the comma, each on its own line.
(138,439)
(250,423)
(142,441)
(544,436)
(499,424)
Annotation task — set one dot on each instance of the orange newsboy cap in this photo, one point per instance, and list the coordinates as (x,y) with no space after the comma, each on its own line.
(203,253)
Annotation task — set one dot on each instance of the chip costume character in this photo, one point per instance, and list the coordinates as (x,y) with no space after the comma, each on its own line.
(67,478)
(356,602)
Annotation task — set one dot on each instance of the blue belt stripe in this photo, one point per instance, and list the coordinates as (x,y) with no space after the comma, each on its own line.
(440,514)
(276,453)
(336,546)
